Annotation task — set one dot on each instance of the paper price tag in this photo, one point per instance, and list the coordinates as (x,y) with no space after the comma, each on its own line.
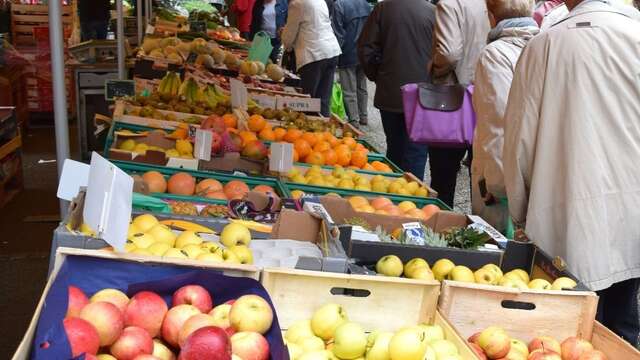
(316,209)
(150,29)
(298,104)
(265,101)
(413,233)
(75,175)
(202,148)
(479,224)
(239,94)
(281,158)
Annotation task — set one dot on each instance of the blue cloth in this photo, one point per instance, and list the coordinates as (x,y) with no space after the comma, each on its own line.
(494,34)
(349,17)
(410,156)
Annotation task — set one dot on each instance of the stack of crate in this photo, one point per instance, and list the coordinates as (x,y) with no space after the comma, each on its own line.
(26,17)
(11,180)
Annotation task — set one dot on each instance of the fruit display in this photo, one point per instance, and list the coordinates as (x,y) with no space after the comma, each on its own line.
(494,343)
(150,237)
(182,148)
(213,18)
(330,335)
(287,125)
(175,50)
(191,325)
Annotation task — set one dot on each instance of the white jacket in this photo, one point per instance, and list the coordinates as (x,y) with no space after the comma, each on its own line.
(308,31)
(572,143)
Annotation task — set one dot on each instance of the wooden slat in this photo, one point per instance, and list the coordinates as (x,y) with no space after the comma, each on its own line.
(452,335)
(11,146)
(37,19)
(612,345)
(27,9)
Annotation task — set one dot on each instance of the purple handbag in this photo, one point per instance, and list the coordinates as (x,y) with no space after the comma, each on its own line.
(439,115)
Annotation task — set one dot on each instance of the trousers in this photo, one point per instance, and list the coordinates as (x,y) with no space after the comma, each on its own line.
(445,164)
(316,79)
(401,151)
(618,309)
(354,88)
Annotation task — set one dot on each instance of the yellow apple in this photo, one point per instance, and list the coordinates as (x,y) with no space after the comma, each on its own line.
(235,234)
(461,273)
(422,274)
(432,333)
(326,319)
(519,346)
(298,330)
(408,344)
(310,344)
(413,264)
(443,348)
(485,276)
(163,233)
(562,283)
(495,342)
(513,282)
(539,284)
(144,222)
(378,345)
(159,248)
(209,246)
(186,238)
(142,240)
(522,274)
(175,253)
(192,251)
(442,268)
(495,269)
(349,341)
(229,256)
(243,253)
(389,265)
(294,351)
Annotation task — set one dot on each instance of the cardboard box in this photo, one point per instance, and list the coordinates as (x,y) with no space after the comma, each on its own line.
(528,314)
(374,302)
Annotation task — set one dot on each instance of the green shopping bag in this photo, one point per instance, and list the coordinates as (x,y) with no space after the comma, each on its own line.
(261,48)
(337,102)
(149,203)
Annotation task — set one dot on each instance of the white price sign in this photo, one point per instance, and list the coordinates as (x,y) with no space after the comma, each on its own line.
(239,95)
(298,104)
(265,101)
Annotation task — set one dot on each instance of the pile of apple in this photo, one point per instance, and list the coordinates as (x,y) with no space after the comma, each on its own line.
(147,236)
(329,335)
(494,343)
(489,274)
(110,326)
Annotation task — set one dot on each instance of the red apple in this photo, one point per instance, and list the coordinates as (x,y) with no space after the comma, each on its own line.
(478,350)
(192,324)
(210,343)
(114,296)
(230,302)
(474,338)
(215,123)
(173,321)
(251,313)
(545,343)
(230,331)
(134,341)
(573,347)
(541,354)
(107,320)
(593,355)
(495,342)
(146,310)
(90,357)
(194,295)
(216,143)
(161,351)
(82,336)
(250,346)
(77,300)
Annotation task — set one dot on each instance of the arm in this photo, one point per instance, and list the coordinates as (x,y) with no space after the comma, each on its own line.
(447,47)
(240,6)
(338,22)
(294,18)
(370,44)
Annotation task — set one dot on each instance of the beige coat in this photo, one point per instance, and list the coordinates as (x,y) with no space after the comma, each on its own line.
(493,77)
(461,34)
(572,143)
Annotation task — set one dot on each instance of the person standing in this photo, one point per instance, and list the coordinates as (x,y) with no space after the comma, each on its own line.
(572,144)
(243,9)
(308,31)
(461,34)
(348,19)
(270,16)
(513,27)
(94,18)
(544,8)
(394,49)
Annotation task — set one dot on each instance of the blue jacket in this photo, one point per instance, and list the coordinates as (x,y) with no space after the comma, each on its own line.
(349,17)
(282,7)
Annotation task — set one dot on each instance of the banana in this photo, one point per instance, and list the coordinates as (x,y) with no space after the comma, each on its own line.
(253,225)
(187,225)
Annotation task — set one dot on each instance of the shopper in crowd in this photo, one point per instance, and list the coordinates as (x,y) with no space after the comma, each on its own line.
(94,18)
(270,16)
(572,144)
(544,8)
(394,49)
(348,19)
(512,29)
(309,33)
(461,34)
(243,10)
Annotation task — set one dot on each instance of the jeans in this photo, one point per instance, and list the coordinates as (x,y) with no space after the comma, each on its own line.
(411,157)
(354,89)
(94,30)
(618,309)
(445,164)
(316,79)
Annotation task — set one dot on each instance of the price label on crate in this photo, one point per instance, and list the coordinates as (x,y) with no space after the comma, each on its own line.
(413,233)
(119,88)
(202,148)
(239,95)
(298,104)
(265,101)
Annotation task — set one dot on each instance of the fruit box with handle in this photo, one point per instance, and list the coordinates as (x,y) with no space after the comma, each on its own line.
(379,303)
(164,299)
(528,315)
(162,119)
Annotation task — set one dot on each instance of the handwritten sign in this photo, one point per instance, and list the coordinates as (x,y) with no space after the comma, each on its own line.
(298,104)
(119,88)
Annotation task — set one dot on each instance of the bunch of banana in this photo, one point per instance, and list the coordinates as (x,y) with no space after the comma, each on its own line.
(169,86)
(210,97)
(189,91)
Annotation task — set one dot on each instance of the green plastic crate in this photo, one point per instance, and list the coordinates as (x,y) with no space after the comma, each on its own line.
(122,126)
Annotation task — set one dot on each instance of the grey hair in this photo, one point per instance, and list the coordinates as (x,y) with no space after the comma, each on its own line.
(508,9)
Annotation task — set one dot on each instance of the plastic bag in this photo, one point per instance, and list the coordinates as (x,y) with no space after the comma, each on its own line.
(149,203)
(261,47)
(337,102)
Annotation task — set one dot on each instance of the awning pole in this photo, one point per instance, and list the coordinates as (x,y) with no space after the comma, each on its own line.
(122,75)
(139,20)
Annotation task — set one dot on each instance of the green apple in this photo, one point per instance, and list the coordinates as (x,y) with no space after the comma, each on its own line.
(316,355)
(513,282)
(326,319)
(235,234)
(408,344)
(298,330)
(389,265)
(378,345)
(461,273)
(443,348)
(142,240)
(562,283)
(430,354)
(230,257)
(310,344)
(159,248)
(349,341)
(243,253)
(163,233)
(192,251)
(186,238)
(209,246)
(414,264)
(210,256)
(442,268)
(294,351)
(422,274)
(539,284)
(175,253)
(432,333)
(485,276)
(495,269)
(520,273)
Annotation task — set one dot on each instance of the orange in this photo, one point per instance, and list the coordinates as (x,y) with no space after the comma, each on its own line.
(256,123)
(380,166)
(341,148)
(302,147)
(326,136)
(368,167)
(292,135)
(230,120)
(358,158)
(430,210)
(296,157)
(330,157)
(247,137)
(279,133)
(350,142)
(344,157)
(359,146)
(310,138)
(322,146)
(267,134)
(315,158)
(332,140)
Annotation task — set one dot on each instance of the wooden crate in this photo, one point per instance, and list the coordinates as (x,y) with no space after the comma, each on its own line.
(524,315)
(391,303)
(24,17)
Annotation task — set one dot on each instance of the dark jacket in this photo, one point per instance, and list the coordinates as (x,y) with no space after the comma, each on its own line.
(349,17)
(281,15)
(394,48)
(94,10)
